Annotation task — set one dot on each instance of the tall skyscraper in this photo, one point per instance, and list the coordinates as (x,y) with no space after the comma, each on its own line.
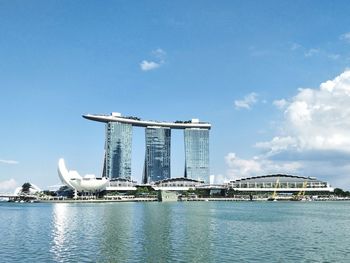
(197,154)
(117,163)
(118,150)
(157,157)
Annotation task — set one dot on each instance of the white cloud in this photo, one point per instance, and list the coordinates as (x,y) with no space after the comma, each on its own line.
(319,119)
(334,56)
(220,179)
(8,186)
(8,161)
(313,139)
(277,144)
(157,61)
(159,54)
(345,37)
(148,65)
(247,102)
(295,46)
(280,103)
(315,131)
(240,168)
(311,52)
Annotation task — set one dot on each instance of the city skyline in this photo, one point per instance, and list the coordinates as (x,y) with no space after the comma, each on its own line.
(271,77)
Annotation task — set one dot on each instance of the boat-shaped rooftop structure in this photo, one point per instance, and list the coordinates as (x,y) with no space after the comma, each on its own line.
(135,121)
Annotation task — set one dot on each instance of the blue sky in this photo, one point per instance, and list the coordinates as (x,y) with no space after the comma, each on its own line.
(253,69)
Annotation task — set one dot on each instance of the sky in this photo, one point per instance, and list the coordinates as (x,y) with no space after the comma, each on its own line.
(272,77)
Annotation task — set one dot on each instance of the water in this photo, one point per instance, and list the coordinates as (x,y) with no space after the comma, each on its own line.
(176,232)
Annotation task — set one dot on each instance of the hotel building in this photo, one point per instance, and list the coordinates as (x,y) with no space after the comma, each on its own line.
(117,160)
(157,156)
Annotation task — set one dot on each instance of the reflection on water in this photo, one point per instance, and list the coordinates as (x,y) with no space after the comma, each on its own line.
(132,232)
(194,232)
(137,233)
(60,228)
(176,232)
(155,232)
(117,233)
(76,232)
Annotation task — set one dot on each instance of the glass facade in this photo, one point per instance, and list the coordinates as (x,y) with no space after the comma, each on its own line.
(118,150)
(197,154)
(157,158)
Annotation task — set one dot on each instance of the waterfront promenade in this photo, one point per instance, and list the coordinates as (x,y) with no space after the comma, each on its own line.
(118,198)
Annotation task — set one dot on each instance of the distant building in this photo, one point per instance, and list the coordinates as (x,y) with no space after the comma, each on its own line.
(280,183)
(177,184)
(121,185)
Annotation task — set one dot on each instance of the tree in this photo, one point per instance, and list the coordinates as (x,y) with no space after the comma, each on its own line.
(202,192)
(26,187)
(341,192)
(145,191)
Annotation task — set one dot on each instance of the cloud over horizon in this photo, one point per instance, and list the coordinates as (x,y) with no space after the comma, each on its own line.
(314,139)
(8,186)
(317,119)
(8,161)
(258,165)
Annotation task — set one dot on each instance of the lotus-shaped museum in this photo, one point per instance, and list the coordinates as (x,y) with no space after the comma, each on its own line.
(88,183)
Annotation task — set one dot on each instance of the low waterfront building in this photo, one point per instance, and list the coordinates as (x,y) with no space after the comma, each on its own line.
(121,184)
(280,183)
(177,184)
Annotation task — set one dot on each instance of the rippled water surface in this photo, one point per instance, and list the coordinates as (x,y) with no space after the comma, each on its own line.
(176,232)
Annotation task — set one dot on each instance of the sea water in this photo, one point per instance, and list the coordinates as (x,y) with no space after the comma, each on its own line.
(175,232)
